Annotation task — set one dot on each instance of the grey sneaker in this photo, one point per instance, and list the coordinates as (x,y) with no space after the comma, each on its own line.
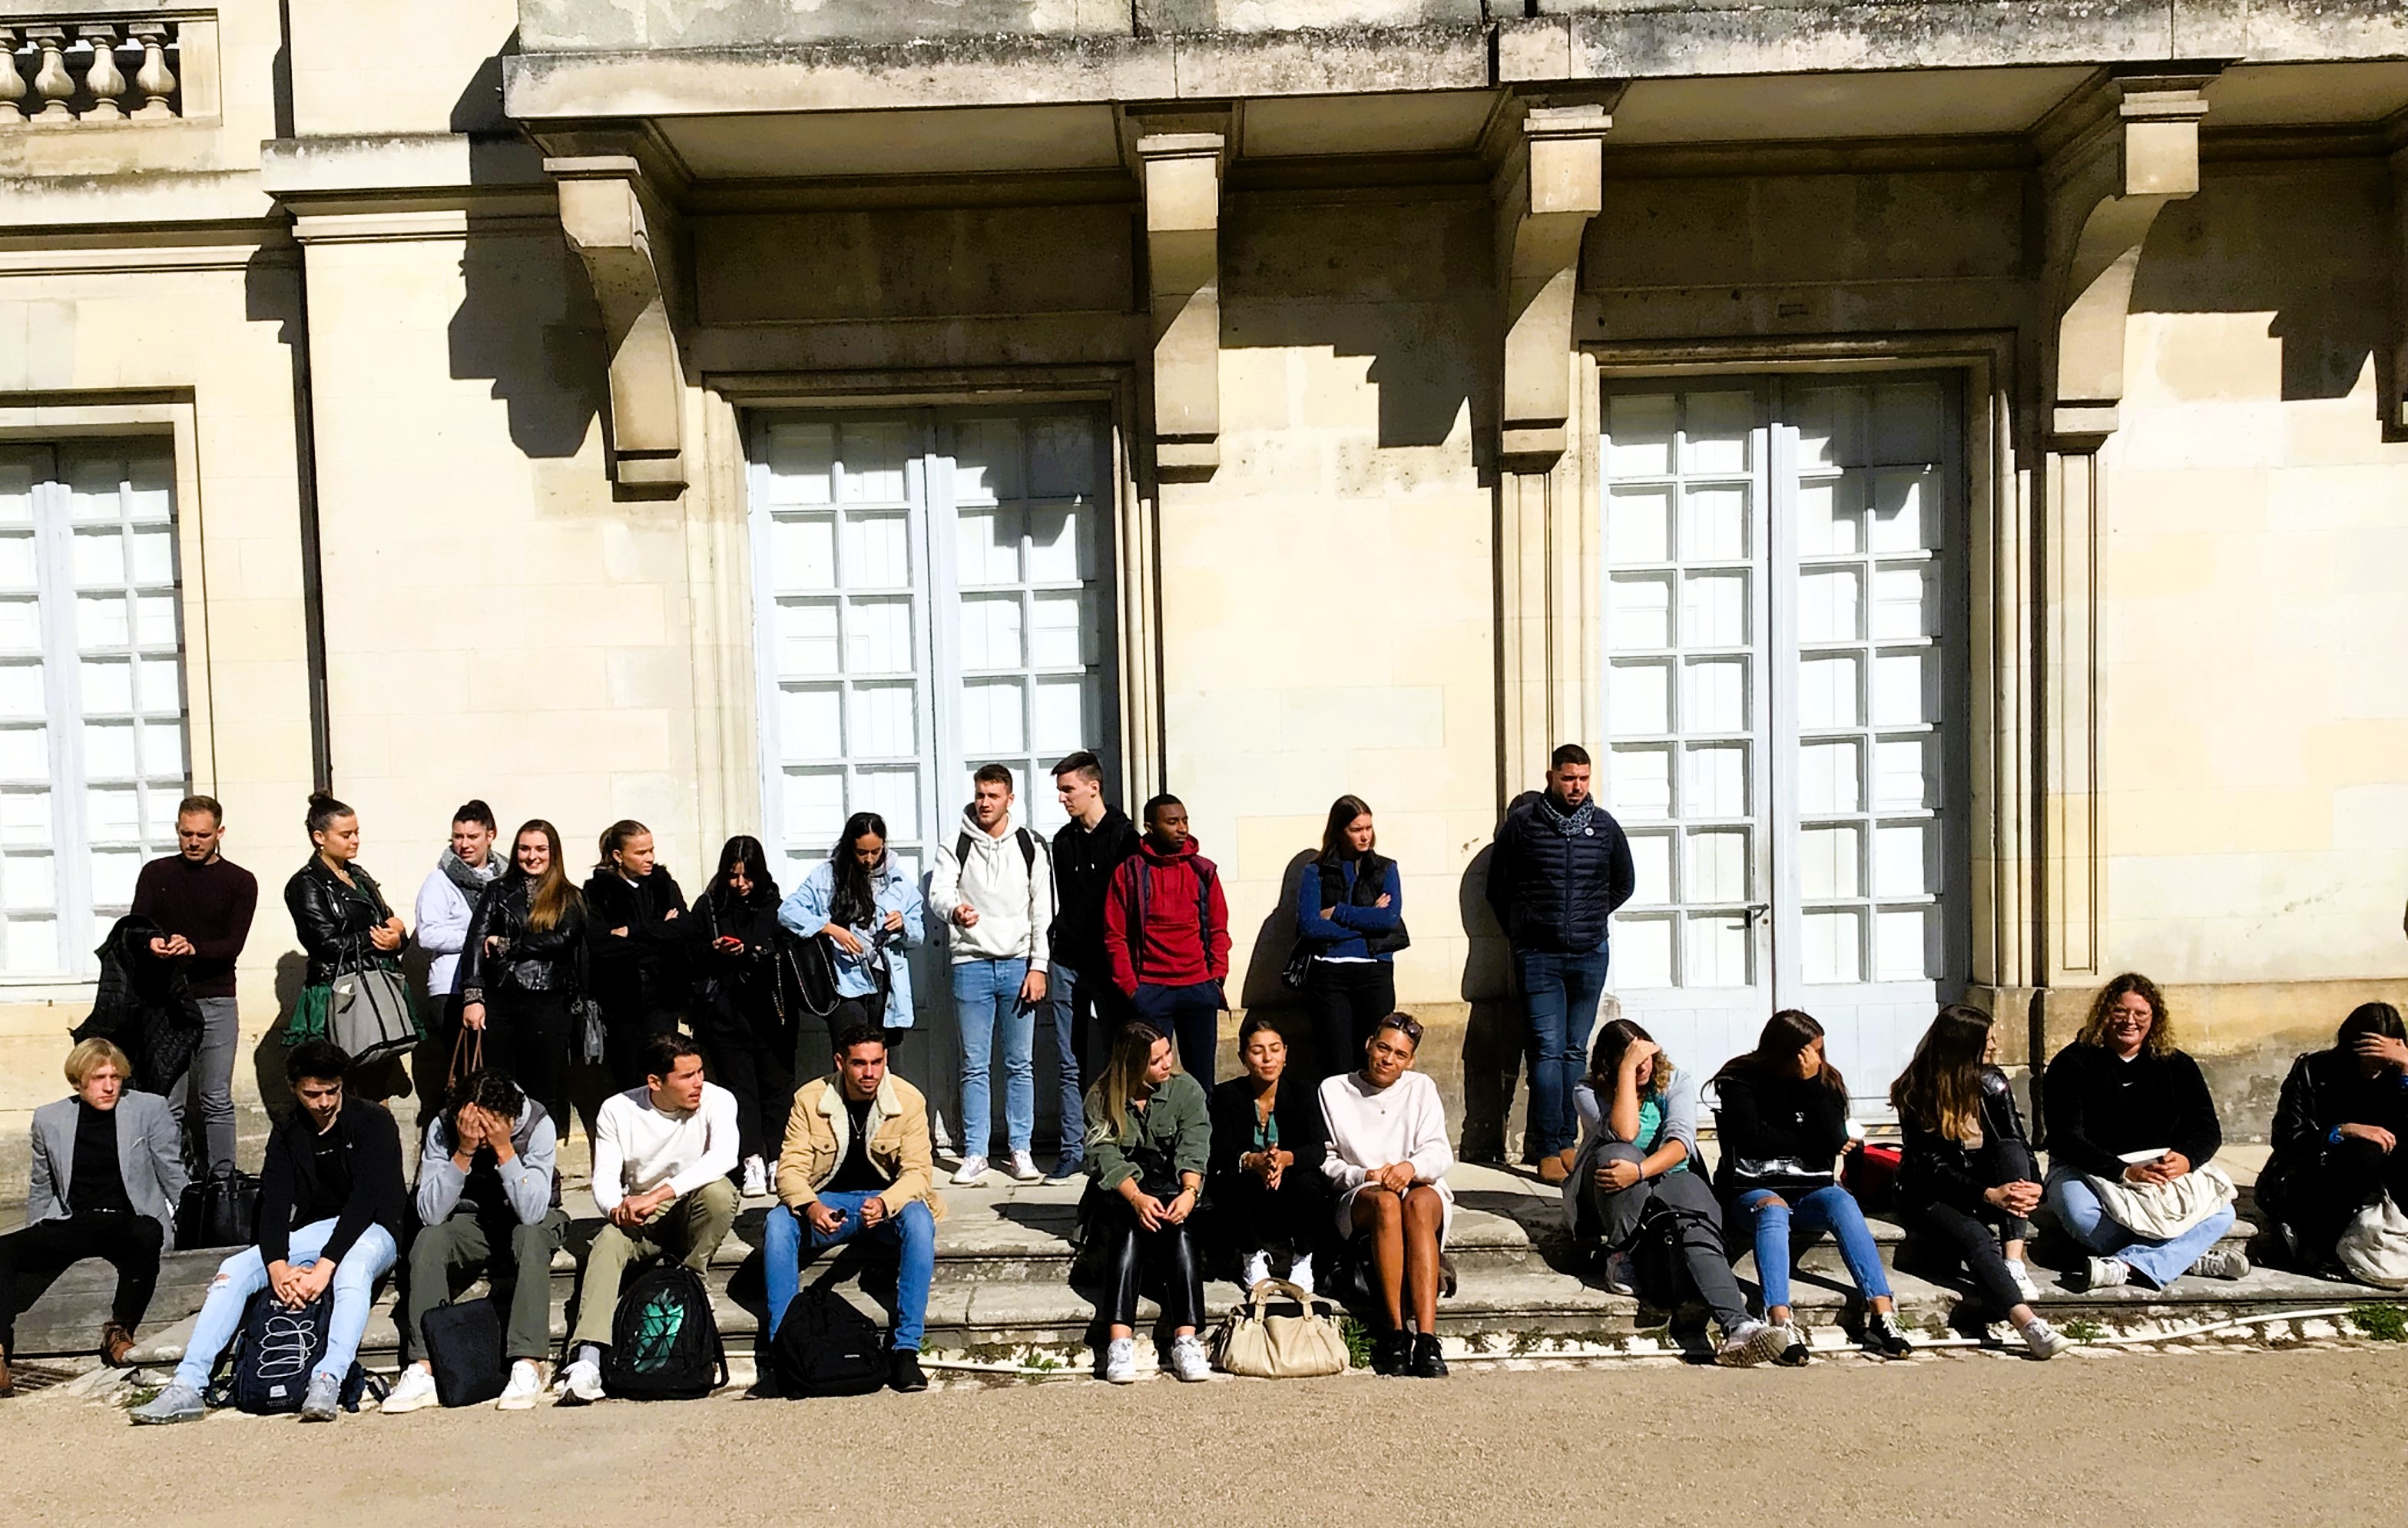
(2222,1262)
(2045,1340)
(324,1401)
(1751,1343)
(2109,1273)
(176,1404)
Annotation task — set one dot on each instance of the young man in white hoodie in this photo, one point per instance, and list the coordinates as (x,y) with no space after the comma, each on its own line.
(994,888)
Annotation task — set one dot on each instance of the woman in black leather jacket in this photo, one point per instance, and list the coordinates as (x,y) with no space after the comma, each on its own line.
(2338,1134)
(342,916)
(632,908)
(740,1012)
(1967,1177)
(521,970)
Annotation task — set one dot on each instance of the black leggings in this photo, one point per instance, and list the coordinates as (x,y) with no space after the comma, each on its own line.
(31,1259)
(1347,1001)
(1974,1237)
(625,1030)
(1131,1252)
(750,1059)
(527,1036)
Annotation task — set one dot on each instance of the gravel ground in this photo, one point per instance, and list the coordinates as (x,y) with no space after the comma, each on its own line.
(2300,1434)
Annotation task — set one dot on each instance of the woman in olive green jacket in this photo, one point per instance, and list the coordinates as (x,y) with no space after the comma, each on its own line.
(1148,1138)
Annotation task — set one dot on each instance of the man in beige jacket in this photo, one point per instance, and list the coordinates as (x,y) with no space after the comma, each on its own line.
(858,1163)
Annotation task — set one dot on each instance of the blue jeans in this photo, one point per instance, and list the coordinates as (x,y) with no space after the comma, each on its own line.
(913,1232)
(1062,994)
(1559,995)
(2158,1263)
(986,996)
(245,1273)
(1784,1229)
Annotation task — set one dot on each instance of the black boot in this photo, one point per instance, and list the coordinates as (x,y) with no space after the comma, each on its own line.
(1391,1352)
(903,1371)
(1429,1362)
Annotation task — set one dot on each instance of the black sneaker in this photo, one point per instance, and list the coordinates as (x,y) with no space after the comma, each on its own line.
(1884,1338)
(903,1371)
(1429,1362)
(1391,1352)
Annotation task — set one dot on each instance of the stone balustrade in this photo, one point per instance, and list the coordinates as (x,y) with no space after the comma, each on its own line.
(70,72)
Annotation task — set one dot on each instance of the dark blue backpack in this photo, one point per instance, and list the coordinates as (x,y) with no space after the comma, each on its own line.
(274,1351)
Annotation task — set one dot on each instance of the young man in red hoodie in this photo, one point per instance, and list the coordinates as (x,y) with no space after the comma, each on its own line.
(1167,932)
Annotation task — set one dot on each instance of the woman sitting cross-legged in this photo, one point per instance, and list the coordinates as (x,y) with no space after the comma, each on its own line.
(1968,1178)
(1639,1141)
(1265,1182)
(1387,1159)
(2125,1106)
(1782,1120)
(2337,1134)
(1149,1140)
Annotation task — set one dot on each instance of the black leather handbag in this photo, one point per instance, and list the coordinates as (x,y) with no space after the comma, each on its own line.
(220,1210)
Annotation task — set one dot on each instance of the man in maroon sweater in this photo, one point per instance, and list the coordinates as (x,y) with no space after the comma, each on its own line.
(203,902)
(1166,936)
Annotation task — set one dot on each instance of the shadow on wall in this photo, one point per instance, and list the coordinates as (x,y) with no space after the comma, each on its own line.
(267,1056)
(527,321)
(2310,246)
(1492,1036)
(1273,943)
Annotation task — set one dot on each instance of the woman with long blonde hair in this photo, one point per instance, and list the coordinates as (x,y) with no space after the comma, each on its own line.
(522,968)
(1149,1145)
(1968,1177)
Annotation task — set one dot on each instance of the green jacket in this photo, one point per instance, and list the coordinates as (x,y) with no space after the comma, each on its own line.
(1173,1134)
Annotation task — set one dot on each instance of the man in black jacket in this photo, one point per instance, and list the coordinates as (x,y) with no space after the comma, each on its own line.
(1560,870)
(330,1208)
(1086,850)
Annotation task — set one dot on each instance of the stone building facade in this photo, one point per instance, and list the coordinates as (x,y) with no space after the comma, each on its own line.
(1945,460)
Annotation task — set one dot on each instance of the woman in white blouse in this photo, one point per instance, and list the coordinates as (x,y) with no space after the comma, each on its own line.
(1387,1159)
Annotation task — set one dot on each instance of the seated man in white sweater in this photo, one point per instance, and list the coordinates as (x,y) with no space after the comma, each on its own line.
(662,1154)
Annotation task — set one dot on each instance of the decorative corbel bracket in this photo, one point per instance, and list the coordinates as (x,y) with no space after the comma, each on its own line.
(2114,155)
(629,241)
(1550,183)
(1181,174)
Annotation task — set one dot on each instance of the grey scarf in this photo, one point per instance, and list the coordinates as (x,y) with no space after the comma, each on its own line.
(1576,823)
(472,883)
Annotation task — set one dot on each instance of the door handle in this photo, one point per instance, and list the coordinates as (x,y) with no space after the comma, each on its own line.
(1757,910)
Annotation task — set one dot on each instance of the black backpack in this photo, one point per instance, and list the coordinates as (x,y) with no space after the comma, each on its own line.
(664,1339)
(464,1346)
(1658,1264)
(824,1346)
(274,1350)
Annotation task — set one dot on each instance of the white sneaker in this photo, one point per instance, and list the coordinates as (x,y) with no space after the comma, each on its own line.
(1188,1360)
(1750,1343)
(1620,1276)
(1258,1268)
(582,1383)
(527,1383)
(971,1172)
(1023,1169)
(2024,1285)
(1120,1361)
(414,1391)
(2045,1340)
(756,1179)
(2222,1262)
(1299,1272)
(2109,1273)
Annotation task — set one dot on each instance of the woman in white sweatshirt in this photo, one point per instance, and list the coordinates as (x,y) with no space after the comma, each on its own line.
(1387,1160)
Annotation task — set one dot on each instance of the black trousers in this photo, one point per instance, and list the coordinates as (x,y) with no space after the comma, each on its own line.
(1975,1235)
(1254,1219)
(31,1259)
(1347,1001)
(752,1059)
(1131,1252)
(527,1036)
(2320,1204)
(625,1030)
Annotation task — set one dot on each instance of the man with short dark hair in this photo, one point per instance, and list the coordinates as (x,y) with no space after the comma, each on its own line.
(1560,869)
(1078,988)
(662,1153)
(858,1163)
(203,903)
(330,1208)
(997,899)
(1166,935)
(484,1201)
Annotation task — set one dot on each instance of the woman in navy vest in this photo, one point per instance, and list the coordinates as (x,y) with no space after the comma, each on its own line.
(1349,920)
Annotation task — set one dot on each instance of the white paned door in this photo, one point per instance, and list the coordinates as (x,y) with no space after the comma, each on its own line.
(1782,632)
(91,694)
(934,595)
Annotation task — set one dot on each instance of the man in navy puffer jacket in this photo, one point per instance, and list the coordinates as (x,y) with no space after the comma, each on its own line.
(1561,868)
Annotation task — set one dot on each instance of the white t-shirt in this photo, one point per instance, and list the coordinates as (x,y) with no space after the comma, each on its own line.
(636,1147)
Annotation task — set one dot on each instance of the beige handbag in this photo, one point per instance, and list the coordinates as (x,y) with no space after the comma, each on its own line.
(1261,1345)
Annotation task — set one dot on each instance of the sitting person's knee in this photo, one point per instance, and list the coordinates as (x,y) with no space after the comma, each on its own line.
(1772,1201)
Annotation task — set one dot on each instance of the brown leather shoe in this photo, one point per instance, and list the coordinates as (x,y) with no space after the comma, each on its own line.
(1554,1168)
(116,1346)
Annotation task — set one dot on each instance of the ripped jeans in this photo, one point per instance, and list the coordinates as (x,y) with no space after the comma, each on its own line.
(245,1273)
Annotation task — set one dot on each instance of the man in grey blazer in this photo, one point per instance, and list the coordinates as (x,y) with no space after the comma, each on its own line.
(107,1171)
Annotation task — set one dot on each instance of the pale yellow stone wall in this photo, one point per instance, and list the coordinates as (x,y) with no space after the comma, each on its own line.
(1327,599)
(2253,712)
(366,66)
